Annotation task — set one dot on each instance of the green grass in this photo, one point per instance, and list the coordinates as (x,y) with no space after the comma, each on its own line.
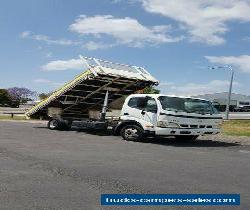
(236,127)
(8,117)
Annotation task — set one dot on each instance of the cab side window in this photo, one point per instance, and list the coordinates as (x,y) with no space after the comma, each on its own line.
(133,102)
(143,103)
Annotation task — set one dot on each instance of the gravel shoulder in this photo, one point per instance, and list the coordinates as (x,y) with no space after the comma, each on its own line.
(241,140)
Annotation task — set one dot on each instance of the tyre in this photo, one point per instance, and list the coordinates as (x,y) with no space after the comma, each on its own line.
(66,125)
(70,124)
(53,124)
(132,133)
(186,138)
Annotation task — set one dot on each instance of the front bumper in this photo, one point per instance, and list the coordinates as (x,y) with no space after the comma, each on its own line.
(181,131)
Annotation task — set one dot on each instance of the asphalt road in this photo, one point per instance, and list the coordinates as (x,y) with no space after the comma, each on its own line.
(44,169)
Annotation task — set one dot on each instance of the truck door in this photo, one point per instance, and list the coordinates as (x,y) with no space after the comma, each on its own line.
(142,108)
(149,113)
(134,108)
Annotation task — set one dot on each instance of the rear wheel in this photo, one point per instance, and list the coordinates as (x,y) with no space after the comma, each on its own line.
(132,133)
(69,124)
(66,125)
(186,138)
(56,124)
(53,124)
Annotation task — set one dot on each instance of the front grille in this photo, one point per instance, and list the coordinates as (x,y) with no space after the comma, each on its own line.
(208,133)
(193,126)
(185,132)
(188,126)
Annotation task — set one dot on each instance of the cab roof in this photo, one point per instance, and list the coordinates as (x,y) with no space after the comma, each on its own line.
(158,95)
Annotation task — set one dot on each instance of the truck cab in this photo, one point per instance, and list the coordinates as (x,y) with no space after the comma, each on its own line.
(162,115)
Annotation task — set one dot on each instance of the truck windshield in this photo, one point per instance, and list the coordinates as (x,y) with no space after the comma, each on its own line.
(189,105)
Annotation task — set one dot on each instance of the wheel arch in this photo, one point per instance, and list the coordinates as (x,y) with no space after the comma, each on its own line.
(120,126)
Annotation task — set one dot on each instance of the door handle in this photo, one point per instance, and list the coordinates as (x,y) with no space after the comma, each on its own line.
(126,113)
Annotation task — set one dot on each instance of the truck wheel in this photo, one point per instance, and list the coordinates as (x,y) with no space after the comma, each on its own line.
(65,125)
(53,124)
(69,125)
(186,138)
(132,133)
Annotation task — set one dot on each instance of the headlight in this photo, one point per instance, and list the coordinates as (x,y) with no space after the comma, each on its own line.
(165,124)
(162,124)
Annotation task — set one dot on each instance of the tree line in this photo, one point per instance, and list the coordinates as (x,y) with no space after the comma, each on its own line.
(13,97)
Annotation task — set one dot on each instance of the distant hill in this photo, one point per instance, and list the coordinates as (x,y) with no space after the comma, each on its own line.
(224,95)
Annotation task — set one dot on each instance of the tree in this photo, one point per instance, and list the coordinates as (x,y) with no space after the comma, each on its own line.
(21,94)
(4,97)
(151,90)
(43,96)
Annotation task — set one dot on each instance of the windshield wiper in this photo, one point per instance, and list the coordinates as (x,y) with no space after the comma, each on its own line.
(172,109)
(203,112)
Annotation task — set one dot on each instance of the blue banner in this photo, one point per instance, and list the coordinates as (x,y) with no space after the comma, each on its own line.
(170,199)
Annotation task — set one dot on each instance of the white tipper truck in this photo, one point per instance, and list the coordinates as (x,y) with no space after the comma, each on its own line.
(161,115)
(86,101)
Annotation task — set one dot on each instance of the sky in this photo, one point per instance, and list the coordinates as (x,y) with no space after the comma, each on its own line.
(177,41)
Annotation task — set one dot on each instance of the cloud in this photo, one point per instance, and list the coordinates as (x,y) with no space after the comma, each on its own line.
(204,20)
(47,82)
(241,63)
(25,34)
(47,39)
(120,1)
(49,54)
(192,89)
(124,30)
(97,45)
(60,65)
(247,38)
(42,81)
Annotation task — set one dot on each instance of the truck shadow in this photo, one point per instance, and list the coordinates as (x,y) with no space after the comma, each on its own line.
(167,141)
(80,130)
(196,143)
